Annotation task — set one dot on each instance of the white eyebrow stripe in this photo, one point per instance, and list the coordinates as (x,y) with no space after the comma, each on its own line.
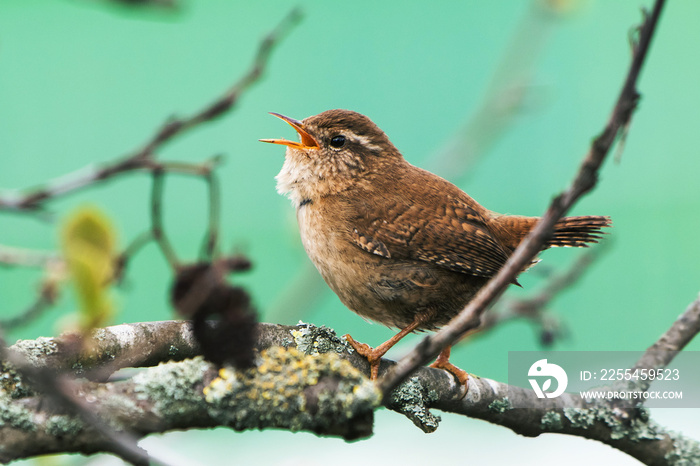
(364,141)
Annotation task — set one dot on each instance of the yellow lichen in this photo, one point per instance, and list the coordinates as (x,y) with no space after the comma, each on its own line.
(277,389)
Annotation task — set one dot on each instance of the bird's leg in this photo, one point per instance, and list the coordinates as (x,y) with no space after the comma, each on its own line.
(374,355)
(443,362)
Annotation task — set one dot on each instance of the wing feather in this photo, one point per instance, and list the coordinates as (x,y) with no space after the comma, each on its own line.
(454,235)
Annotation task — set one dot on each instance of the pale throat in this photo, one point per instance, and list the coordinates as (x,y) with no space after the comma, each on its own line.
(304,179)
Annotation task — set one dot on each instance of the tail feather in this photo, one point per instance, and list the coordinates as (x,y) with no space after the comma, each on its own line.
(578,232)
(573,232)
(568,232)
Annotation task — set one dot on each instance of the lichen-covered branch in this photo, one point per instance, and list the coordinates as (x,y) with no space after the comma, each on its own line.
(60,392)
(288,390)
(142,344)
(306,378)
(635,434)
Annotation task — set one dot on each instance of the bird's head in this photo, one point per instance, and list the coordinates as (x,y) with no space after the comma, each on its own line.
(336,149)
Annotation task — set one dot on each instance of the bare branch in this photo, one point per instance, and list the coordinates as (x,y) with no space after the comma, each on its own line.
(122,260)
(141,159)
(639,436)
(584,181)
(210,245)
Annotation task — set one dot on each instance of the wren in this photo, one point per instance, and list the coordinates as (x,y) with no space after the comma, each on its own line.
(397,244)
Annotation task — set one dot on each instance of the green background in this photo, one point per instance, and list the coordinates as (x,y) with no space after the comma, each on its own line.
(83,82)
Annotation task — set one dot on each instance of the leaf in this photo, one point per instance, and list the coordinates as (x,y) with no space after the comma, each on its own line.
(88,240)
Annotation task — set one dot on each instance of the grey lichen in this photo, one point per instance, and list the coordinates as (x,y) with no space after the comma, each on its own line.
(321,393)
(122,409)
(13,414)
(310,339)
(35,351)
(500,406)
(172,386)
(640,429)
(78,368)
(63,426)
(413,400)
(551,422)
(433,395)
(580,418)
(637,428)
(686,451)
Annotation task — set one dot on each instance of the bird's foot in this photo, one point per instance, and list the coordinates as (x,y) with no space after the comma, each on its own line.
(443,362)
(373,355)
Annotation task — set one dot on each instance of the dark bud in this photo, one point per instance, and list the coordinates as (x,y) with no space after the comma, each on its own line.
(237,263)
(223,319)
(547,338)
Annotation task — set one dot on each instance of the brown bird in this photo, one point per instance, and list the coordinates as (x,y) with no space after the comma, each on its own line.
(397,244)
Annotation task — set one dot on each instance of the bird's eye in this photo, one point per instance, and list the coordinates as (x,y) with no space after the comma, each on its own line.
(338,141)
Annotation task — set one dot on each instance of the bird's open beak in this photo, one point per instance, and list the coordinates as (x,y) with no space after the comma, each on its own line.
(307,141)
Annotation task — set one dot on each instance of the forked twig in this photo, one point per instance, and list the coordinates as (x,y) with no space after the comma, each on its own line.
(141,159)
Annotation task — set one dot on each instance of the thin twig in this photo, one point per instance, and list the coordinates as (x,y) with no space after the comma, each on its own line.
(49,287)
(122,261)
(661,353)
(163,5)
(210,244)
(47,297)
(584,181)
(157,220)
(22,257)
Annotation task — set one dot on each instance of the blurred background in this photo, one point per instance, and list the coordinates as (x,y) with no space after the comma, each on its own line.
(502,98)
